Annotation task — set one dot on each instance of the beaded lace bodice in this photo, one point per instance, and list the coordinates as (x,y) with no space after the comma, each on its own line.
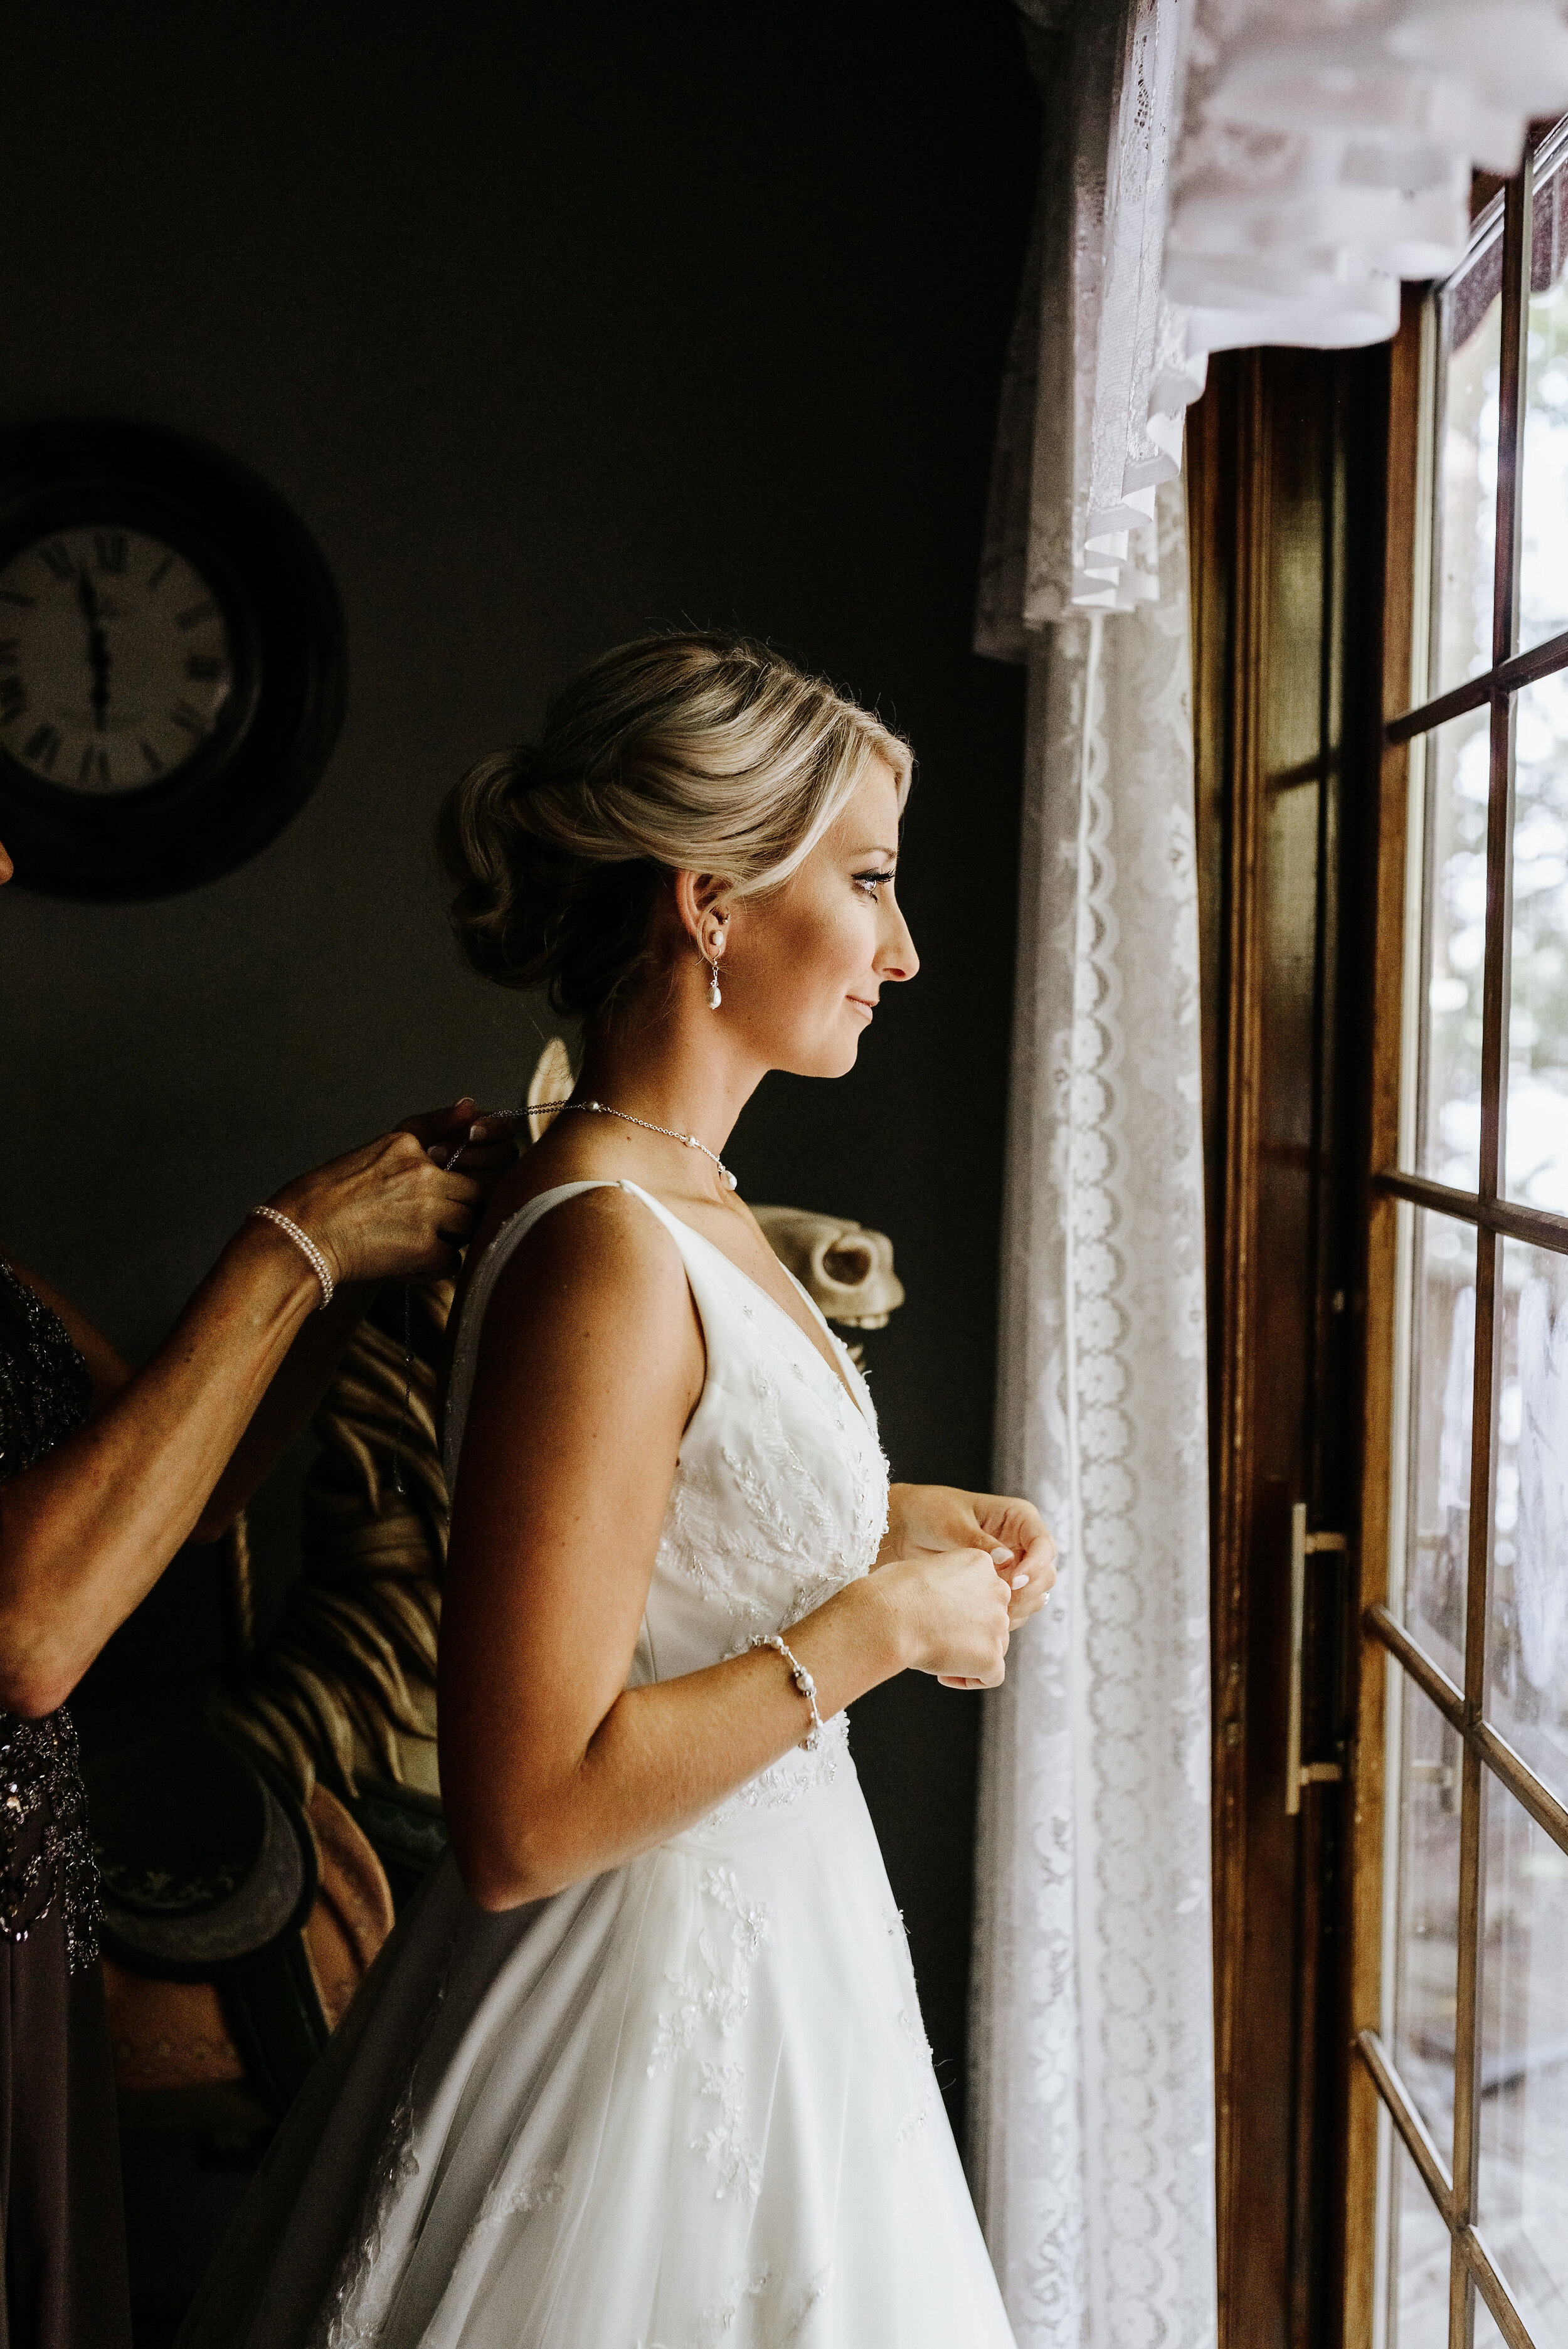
(780,1491)
(44,1855)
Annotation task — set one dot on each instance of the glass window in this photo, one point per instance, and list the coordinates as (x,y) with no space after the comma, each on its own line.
(1472,318)
(1486,2327)
(1523,2198)
(1544,508)
(1426,1972)
(1442,1373)
(1418,2265)
(1490,1120)
(1454,945)
(1537,1109)
(1527,1635)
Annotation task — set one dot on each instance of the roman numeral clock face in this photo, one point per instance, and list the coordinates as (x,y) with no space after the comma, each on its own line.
(115,661)
(172,662)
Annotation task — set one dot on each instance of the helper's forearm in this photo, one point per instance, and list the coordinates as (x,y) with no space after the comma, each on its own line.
(287,1406)
(86,1534)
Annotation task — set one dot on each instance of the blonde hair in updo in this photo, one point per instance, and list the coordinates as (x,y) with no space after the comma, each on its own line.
(698,753)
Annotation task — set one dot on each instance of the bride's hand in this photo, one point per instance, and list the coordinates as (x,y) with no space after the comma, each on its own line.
(952,1607)
(928,1517)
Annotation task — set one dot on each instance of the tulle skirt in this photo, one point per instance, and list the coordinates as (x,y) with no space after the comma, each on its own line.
(686,2104)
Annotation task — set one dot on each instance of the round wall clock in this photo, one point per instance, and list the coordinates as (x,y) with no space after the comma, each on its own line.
(171,660)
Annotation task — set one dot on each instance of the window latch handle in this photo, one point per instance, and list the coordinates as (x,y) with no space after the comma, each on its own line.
(1298,1774)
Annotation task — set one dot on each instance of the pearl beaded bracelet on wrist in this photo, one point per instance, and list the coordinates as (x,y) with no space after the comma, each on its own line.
(802,1679)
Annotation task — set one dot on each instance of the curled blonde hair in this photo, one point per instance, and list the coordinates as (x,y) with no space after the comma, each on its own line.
(701,754)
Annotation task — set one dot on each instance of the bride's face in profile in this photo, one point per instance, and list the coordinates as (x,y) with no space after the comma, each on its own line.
(803,968)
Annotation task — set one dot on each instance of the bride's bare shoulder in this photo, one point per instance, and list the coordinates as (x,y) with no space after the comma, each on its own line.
(600,1257)
(601,1238)
(574,1150)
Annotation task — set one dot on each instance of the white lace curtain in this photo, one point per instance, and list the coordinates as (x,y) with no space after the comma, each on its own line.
(1215,174)
(1091,2138)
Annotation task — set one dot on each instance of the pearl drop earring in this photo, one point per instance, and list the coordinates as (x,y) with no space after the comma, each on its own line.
(714,997)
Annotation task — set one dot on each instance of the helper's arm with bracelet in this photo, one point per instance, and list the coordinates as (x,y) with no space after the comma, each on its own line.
(175,1450)
(592,1362)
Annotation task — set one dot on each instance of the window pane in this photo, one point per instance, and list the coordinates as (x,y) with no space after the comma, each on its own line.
(1426,1960)
(1442,1363)
(1472,318)
(1418,2260)
(1537,1141)
(1527,1637)
(1543,508)
(1486,2328)
(1454,929)
(1523,2201)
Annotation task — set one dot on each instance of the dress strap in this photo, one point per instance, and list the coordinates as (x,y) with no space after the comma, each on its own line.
(476,1303)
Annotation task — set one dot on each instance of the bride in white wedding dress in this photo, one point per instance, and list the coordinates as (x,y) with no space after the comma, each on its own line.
(642,2066)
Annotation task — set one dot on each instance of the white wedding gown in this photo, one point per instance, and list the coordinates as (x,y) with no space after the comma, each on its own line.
(684,2105)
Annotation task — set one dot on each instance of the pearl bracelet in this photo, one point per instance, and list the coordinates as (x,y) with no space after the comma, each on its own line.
(308,1247)
(803,1681)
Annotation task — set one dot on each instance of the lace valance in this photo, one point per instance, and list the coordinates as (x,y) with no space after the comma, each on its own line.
(1220,174)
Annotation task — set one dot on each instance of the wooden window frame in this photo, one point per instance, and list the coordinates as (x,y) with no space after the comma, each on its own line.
(1390,1653)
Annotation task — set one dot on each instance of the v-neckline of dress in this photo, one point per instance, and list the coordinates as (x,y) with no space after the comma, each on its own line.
(771,1302)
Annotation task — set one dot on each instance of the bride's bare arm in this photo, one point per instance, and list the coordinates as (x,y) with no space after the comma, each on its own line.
(591,1363)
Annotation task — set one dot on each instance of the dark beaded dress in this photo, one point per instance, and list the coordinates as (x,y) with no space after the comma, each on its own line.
(60,2204)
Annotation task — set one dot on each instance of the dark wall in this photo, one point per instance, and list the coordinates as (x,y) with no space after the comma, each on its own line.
(554,322)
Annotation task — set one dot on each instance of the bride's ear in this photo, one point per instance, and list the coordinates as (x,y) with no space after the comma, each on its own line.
(699,903)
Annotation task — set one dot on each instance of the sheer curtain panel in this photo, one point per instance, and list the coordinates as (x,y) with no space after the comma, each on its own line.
(1092,2066)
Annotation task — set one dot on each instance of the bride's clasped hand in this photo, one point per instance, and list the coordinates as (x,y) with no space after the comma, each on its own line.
(928,1523)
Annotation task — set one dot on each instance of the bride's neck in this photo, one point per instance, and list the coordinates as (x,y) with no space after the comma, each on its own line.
(670,1071)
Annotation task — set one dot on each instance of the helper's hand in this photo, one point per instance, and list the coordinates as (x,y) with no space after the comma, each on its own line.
(459,1137)
(385,1212)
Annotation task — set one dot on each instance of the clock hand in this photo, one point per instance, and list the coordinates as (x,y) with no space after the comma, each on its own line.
(98,658)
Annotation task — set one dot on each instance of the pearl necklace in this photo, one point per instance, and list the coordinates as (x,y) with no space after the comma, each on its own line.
(603,1109)
(599,1108)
